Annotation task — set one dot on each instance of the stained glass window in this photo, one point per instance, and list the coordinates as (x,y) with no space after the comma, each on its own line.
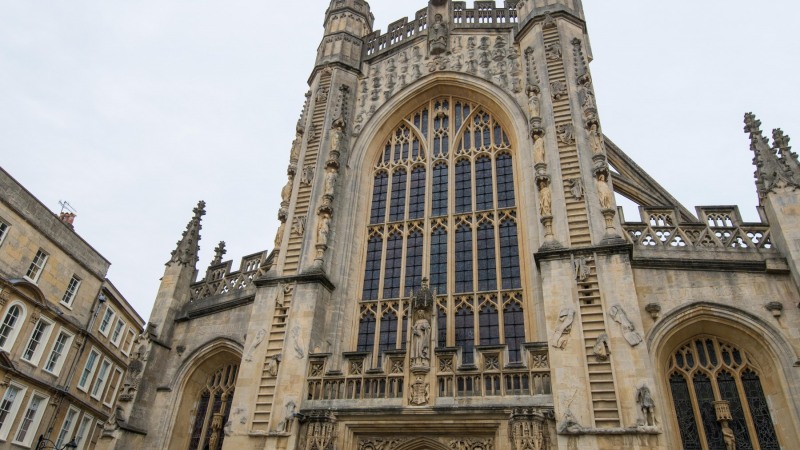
(213,409)
(719,372)
(443,207)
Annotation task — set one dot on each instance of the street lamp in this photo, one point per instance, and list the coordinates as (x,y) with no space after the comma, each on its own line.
(43,444)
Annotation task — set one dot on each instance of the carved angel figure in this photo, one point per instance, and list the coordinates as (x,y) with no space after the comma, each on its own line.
(628,330)
(561,334)
(259,339)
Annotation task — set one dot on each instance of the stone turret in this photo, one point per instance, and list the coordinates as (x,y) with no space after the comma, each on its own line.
(346,24)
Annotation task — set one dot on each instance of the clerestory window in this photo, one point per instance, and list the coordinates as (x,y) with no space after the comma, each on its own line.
(444,207)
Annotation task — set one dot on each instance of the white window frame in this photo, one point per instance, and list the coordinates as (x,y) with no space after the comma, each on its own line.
(105,369)
(88,372)
(84,433)
(13,410)
(119,330)
(71,292)
(62,354)
(4,227)
(67,426)
(104,326)
(41,343)
(12,335)
(129,347)
(33,426)
(112,391)
(37,266)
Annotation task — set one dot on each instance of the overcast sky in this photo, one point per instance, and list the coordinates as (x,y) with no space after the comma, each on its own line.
(134,111)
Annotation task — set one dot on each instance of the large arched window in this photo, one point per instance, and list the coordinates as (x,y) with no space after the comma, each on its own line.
(443,207)
(213,409)
(706,376)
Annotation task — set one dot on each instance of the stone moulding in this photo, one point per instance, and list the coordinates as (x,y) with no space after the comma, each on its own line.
(631,431)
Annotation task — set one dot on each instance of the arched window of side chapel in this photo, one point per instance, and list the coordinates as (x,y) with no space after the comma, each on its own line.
(444,207)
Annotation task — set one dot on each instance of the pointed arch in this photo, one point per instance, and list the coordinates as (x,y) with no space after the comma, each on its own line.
(423,443)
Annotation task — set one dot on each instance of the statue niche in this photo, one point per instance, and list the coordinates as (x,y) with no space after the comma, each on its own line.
(421,307)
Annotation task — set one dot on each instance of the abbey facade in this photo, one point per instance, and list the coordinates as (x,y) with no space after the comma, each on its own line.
(451,270)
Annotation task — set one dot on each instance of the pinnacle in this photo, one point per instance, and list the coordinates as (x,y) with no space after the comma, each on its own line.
(185,253)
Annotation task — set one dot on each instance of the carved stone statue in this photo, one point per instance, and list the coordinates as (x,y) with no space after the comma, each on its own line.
(647,407)
(581,268)
(534,102)
(545,199)
(561,334)
(576,188)
(438,36)
(420,341)
(296,144)
(330,182)
(286,192)
(729,438)
(538,150)
(601,350)
(279,235)
(285,425)
(272,365)
(323,229)
(628,330)
(258,340)
(604,193)
(336,138)
(596,140)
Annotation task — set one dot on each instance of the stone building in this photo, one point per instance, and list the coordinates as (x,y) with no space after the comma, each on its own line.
(451,270)
(66,332)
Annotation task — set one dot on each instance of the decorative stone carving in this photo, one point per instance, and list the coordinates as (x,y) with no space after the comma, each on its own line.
(529,429)
(279,235)
(654,309)
(628,330)
(419,392)
(438,36)
(299,351)
(604,193)
(299,225)
(307,176)
(420,340)
(381,444)
(320,430)
(596,140)
(576,188)
(186,251)
(472,444)
(219,252)
(258,340)
(323,229)
(776,308)
(561,334)
(569,424)
(566,134)
(534,102)
(772,172)
(285,425)
(297,145)
(581,268)
(286,192)
(647,407)
(545,199)
(538,150)
(552,52)
(601,349)
(273,364)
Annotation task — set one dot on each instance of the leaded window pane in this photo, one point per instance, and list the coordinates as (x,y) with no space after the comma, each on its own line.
(762,420)
(379,197)
(388,336)
(366,333)
(487,270)
(729,392)
(439,257)
(397,209)
(683,407)
(463,260)
(705,399)
(465,334)
(440,189)
(372,271)
(416,201)
(463,186)
(413,262)
(509,255)
(394,262)
(484,192)
(505,181)
(441,325)
(489,326)
(514,328)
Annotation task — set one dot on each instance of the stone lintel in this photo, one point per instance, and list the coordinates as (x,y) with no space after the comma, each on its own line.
(304,278)
(536,346)
(633,431)
(569,253)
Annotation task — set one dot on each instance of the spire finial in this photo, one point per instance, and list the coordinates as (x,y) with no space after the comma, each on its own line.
(219,252)
(187,249)
(772,171)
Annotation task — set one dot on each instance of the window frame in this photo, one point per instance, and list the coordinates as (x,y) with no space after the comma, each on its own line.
(35,421)
(69,295)
(6,426)
(118,329)
(117,377)
(87,374)
(87,432)
(103,327)
(65,434)
(38,266)
(127,345)
(14,334)
(59,364)
(5,227)
(101,379)
(41,343)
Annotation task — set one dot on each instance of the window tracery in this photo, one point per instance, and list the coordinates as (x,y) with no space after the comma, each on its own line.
(466,243)
(213,409)
(706,371)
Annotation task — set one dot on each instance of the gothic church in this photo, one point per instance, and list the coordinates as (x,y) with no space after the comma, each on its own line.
(451,271)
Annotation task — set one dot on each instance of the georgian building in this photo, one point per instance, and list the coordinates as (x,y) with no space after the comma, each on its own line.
(451,270)
(66,333)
